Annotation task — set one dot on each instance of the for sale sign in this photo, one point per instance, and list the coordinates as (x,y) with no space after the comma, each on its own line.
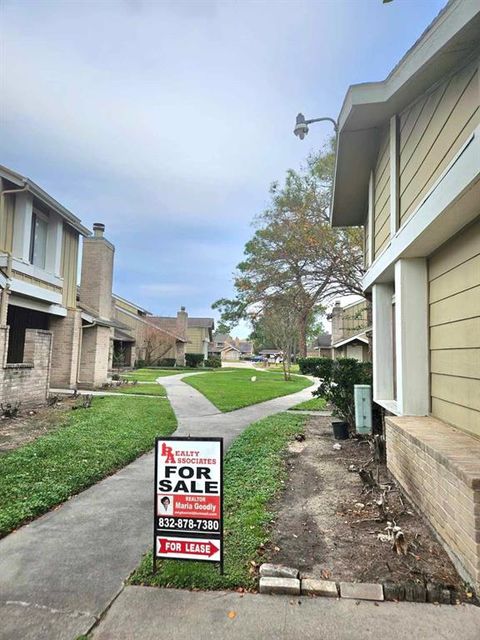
(188,499)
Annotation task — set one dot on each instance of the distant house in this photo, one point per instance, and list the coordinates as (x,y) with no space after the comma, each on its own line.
(200,334)
(137,338)
(271,353)
(408,171)
(197,331)
(321,347)
(228,348)
(350,328)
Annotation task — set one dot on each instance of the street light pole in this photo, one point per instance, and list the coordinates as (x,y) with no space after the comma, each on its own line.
(301,125)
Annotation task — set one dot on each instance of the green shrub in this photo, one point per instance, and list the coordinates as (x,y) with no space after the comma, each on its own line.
(139,364)
(213,362)
(194,360)
(318,367)
(166,362)
(337,381)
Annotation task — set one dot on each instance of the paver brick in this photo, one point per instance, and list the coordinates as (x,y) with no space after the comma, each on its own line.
(290,586)
(361,590)
(326,588)
(268,570)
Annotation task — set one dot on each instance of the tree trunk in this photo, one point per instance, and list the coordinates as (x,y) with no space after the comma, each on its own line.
(302,336)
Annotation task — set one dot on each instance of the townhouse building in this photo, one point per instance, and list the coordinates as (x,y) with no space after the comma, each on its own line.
(408,171)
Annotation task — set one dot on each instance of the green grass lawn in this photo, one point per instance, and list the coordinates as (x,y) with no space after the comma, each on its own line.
(230,390)
(254,470)
(278,367)
(145,389)
(149,375)
(315,404)
(93,443)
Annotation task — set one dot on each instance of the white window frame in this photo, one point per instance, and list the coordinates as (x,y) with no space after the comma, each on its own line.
(36,214)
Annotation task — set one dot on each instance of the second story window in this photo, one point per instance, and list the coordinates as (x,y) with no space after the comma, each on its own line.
(38,240)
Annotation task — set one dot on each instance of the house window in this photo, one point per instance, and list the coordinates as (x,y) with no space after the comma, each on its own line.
(38,240)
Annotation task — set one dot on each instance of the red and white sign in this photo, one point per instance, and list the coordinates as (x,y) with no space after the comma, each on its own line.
(188,478)
(189,548)
(188,499)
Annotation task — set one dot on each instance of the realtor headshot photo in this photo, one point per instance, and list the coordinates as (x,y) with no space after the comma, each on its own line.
(165,505)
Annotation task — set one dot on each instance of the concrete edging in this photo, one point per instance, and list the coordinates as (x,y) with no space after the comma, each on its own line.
(279,579)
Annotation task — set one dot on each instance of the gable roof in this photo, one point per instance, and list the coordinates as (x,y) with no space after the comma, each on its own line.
(324,340)
(133,304)
(204,323)
(367,107)
(30,186)
(167,325)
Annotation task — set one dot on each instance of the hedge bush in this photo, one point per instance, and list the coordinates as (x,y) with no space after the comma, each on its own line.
(194,360)
(213,362)
(166,362)
(337,379)
(318,367)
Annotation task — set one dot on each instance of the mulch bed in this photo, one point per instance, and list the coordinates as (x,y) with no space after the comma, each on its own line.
(31,424)
(327,521)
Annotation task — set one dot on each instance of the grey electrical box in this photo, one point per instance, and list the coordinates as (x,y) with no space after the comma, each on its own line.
(363,408)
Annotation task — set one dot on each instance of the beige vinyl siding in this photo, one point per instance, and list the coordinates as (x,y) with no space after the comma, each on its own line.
(381,226)
(366,244)
(38,282)
(6,231)
(454,301)
(432,131)
(195,336)
(69,262)
(125,305)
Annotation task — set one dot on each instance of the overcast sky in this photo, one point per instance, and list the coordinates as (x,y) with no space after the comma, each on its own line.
(168,120)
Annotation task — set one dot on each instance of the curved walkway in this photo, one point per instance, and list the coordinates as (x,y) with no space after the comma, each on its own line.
(59,573)
(197,416)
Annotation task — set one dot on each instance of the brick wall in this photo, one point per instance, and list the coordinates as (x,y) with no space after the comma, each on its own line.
(66,336)
(95,356)
(97,274)
(29,382)
(438,466)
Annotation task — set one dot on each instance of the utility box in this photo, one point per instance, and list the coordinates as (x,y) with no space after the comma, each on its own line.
(363,408)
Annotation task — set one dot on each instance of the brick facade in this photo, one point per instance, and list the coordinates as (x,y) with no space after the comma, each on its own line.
(96,297)
(29,381)
(97,273)
(95,356)
(438,466)
(66,335)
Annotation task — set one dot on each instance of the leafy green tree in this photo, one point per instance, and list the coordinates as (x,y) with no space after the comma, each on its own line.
(294,251)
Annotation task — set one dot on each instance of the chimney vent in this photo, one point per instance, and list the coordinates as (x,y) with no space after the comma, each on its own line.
(98,229)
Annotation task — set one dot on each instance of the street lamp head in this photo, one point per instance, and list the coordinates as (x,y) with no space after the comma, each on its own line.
(301,127)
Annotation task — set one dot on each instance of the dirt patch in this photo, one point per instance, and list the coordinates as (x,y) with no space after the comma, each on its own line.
(327,523)
(30,425)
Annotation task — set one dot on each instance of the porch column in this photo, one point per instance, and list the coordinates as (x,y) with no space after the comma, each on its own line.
(411,333)
(382,341)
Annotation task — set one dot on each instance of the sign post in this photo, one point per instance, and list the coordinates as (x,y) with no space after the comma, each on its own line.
(188,511)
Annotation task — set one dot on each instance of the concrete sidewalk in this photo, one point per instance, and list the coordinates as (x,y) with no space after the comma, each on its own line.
(145,613)
(60,572)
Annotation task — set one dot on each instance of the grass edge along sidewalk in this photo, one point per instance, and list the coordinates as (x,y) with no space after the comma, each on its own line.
(241,388)
(144,389)
(254,474)
(92,444)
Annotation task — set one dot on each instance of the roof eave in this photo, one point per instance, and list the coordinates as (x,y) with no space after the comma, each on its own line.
(67,215)
(368,107)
